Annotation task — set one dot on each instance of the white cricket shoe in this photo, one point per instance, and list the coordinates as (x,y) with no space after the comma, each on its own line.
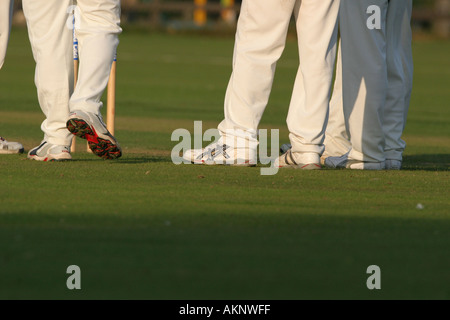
(224,152)
(91,127)
(393,164)
(297,160)
(7,147)
(50,152)
(345,162)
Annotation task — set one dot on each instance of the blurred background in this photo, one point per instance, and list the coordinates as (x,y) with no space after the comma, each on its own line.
(430,16)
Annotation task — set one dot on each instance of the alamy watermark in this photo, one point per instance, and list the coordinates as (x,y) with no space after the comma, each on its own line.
(374,21)
(374,280)
(74,280)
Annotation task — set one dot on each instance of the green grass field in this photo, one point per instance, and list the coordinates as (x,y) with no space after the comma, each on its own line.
(143,228)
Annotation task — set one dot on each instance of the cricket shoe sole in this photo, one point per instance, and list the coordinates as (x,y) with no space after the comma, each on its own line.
(90,127)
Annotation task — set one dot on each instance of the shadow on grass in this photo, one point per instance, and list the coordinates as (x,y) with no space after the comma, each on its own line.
(427,162)
(299,248)
(127,160)
(424,162)
(141,159)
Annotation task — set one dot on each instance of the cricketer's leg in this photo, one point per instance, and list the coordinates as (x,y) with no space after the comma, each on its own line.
(317,41)
(337,140)
(400,73)
(364,73)
(51,42)
(260,41)
(97,31)
(6,11)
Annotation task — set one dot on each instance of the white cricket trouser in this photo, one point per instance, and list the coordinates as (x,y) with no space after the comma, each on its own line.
(260,41)
(400,77)
(6,11)
(50,32)
(354,123)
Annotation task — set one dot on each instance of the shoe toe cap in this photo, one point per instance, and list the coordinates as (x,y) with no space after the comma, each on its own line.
(189,155)
(15,146)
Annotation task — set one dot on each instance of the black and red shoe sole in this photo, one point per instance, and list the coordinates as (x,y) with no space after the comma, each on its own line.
(103,148)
